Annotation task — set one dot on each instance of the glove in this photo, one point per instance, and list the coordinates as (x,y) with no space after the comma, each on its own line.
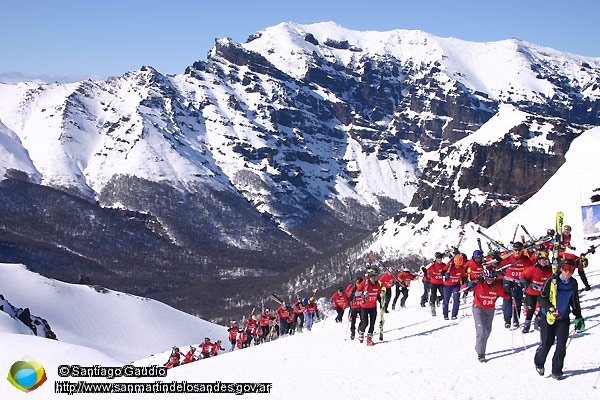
(497,257)
(524,282)
(479,279)
(583,261)
(447,276)
(579,324)
(554,312)
(472,284)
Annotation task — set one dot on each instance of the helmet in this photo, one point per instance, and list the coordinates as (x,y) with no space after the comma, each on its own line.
(406,269)
(207,339)
(176,349)
(312,299)
(373,271)
(517,246)
(192,349)
(542,255)
(359,279)
(439,256)
(477,253)
(304,300)
(254,317)
(459,260)
(267,309)
(567,228)
(489,272)
(550,232)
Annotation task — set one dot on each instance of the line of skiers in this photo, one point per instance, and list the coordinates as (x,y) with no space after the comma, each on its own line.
(269,325)
(206,349)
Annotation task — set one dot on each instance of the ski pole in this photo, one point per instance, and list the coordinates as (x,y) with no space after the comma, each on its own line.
(571,337)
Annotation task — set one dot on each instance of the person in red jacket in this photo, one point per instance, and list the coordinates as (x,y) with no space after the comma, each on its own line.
(403,280)
(387,281)
(264,321)
(174,358)
(370,290)
(291,318)
(340,301)
(190,356)
(454,275)
(435,272)
(217,347)
(533,279)
(486,291)
(299,307)
(233,334)
(251,329)
(206,348)
(474,266)
(284,314)
(355,304)
(513,266)
(312,311)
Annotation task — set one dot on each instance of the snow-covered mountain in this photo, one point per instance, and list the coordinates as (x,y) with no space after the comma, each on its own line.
(428,357)
(276,151)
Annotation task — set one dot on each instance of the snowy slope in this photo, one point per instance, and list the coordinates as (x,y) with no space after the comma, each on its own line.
(421,357)
(123,326)
(569,189)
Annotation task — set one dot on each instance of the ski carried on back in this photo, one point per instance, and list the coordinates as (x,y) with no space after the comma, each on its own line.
(550,318)
(381,312)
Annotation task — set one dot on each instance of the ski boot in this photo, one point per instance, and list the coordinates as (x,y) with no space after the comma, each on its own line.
(526,325)
(361,337)
(370,340)
(433,312)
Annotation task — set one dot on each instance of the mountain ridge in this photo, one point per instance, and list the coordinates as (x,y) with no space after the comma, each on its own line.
(274,152)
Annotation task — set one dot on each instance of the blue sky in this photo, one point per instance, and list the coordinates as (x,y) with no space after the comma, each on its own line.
(79,38)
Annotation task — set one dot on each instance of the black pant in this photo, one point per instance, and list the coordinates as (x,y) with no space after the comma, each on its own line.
(530,302)
(340,314)
(560,331)
(433,296)
(354,312)
(299,321)
(388,297)
(367,316)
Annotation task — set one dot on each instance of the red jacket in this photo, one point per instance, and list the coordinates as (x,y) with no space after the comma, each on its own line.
(311,308)
(406,278)
(250,324)
(189,357)
(298,307)
(485,295)
(356,301)
(339,300)
(265,319)
(474,270)
(370,292)
(284,312)
(233,331)
(435,273)
(206,348)
(536,276)
(517,266)
(387,280)
(456,274)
